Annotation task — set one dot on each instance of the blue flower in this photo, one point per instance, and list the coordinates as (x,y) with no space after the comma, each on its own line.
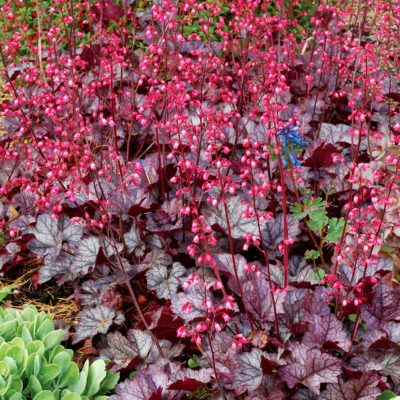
(287,137)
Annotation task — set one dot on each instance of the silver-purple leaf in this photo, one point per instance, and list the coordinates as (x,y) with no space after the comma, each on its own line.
(164,280)
(238,225)
(249,375)
(58,267)
(96,320)
(133,242)
(86,255)
(48,238)
(363,389)
(122,350)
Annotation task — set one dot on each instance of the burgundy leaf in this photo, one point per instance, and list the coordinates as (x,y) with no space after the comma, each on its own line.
(108,11)
(319,155)
(270,362)
(188,385)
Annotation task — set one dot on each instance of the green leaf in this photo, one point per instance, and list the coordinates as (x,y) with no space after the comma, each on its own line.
(387,394)
(5,385)
(4,292)
(311,254)
(48,372)
(71,377)
(16,384)
(26,336)
(108,383)
(29,314)
(318,274)
(33,365)
(192,363)
(4,369)
(16,396)
(45,327)
(72,396)
(34,385)
(80,385)
(45,395)
(97,372)
(63,359)
(53,338)
(8,329)
(16,353)
(335,230)
(35,347)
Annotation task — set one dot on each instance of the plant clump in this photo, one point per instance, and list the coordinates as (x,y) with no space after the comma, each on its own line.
(34,365)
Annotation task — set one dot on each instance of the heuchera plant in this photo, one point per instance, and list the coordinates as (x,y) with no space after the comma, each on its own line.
(229,193)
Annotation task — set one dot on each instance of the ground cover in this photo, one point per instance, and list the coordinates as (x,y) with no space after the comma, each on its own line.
(207,192)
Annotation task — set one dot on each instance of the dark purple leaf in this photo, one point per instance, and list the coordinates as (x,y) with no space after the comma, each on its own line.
(59,267)
(273,230)
(349,277)
(257,297)
(317,302)
(51,233)
(270,362)
(385,306)
(305,394)
(310,367)
(134,243)
(155,258)
(390,362)
(323,329)
(150,383)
